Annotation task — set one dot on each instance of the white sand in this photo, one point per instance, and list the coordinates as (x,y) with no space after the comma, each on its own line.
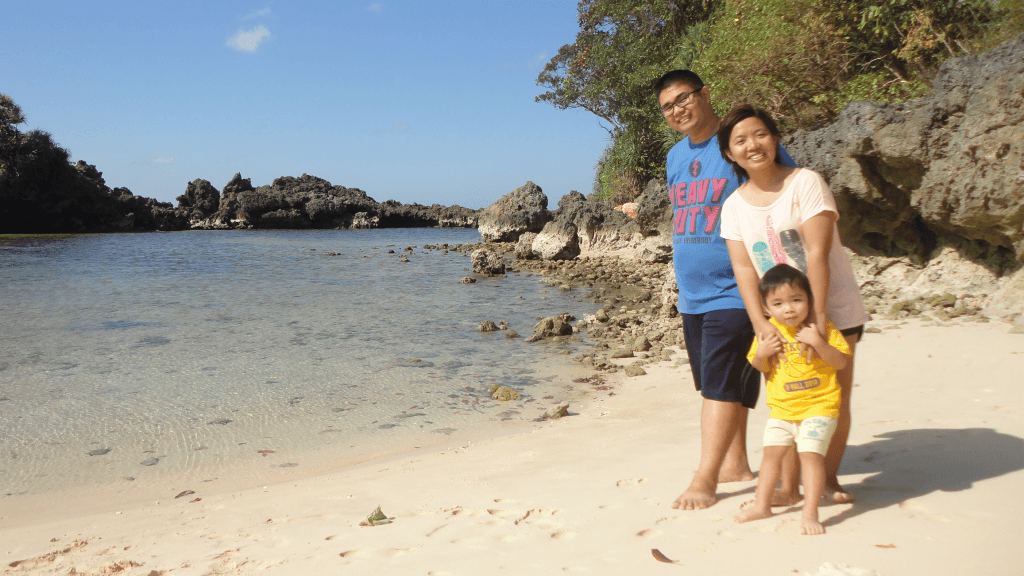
(936,462)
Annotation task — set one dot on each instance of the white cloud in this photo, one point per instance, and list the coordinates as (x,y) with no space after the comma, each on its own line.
(257,13)
(165,159)
(375,8)
(395,128)
(249,40)
(540,60)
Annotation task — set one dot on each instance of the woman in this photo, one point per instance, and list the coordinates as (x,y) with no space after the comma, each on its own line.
(785,215)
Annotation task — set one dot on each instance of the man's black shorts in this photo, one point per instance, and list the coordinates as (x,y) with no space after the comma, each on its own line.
(717,343)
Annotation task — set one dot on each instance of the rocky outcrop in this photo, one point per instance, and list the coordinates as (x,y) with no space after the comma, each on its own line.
(487,262)
(524,209)
(200,200)
(557,241)
(911,177)
(307,202)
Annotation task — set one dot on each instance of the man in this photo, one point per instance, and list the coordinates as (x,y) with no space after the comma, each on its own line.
(716,327)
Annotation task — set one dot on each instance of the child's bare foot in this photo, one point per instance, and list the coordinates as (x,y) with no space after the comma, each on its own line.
(751,513)
(697,497)
(811,527)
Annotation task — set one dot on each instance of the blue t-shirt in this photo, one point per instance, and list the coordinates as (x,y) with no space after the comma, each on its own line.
(699,181)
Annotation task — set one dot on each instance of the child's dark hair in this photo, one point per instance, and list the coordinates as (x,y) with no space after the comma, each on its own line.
(785,275)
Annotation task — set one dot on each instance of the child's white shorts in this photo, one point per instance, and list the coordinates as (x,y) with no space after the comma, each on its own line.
(812,434)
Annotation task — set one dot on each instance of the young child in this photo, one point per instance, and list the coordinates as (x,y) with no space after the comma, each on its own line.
(800,369)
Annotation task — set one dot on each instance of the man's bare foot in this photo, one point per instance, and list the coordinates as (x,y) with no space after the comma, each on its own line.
(696,497)
(811,527)
(735,476)
(751,513)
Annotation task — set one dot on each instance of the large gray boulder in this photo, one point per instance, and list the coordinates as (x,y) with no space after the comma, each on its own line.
(910,177)
(524,209)
(557,241)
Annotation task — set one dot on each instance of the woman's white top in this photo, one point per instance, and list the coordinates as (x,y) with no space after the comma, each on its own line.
(771,235)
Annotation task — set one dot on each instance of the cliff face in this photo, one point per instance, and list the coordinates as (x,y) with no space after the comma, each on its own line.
(945,169)
(930,192)
(307,202)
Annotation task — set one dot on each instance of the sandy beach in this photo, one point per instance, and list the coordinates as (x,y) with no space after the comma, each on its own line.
(936,463)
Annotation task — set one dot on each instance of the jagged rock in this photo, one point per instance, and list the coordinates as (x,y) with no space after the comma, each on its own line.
(621,353)
(467,280)
(503,393)
(524,209)
(634,370)
(510,333)
(552,326)
(557,241)
(556,412)
(488,326)
(524,247)
(948,165)
(641,344)
(485,261)
(200,200)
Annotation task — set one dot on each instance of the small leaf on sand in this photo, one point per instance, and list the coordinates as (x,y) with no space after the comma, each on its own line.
(377,517)
(185,493)
(661,557)
(885,545)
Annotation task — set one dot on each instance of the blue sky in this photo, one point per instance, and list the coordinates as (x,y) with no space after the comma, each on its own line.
(428,102)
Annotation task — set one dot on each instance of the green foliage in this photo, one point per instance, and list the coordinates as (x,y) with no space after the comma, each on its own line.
(802,60)
(623,46)
(40,191)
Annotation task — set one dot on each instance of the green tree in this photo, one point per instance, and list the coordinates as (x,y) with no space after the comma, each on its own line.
(622,47)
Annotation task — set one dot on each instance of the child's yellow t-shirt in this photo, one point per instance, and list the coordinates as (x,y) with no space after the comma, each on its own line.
(798,389)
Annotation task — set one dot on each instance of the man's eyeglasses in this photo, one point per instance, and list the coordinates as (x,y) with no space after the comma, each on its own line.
(682,101)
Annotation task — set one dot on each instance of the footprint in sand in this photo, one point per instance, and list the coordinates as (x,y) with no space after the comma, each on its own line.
(649,533)
(630,482)
(392,552)
(352,554)
(563,535)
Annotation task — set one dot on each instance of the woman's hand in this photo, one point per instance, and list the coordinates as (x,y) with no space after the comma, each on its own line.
(769,351)
(810,339)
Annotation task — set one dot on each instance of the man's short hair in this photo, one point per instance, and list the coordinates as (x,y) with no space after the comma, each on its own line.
(677,77)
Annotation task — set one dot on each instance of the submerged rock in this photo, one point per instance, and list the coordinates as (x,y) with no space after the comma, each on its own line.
(503,393)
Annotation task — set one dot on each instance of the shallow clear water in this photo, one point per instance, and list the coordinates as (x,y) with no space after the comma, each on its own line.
(131,357)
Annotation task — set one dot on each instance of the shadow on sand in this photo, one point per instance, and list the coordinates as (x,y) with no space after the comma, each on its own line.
(912,463)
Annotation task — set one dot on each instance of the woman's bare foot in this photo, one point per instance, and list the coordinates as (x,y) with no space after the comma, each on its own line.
(835,494)
(778,500)
(751,513)
(697,497)
(811,526)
